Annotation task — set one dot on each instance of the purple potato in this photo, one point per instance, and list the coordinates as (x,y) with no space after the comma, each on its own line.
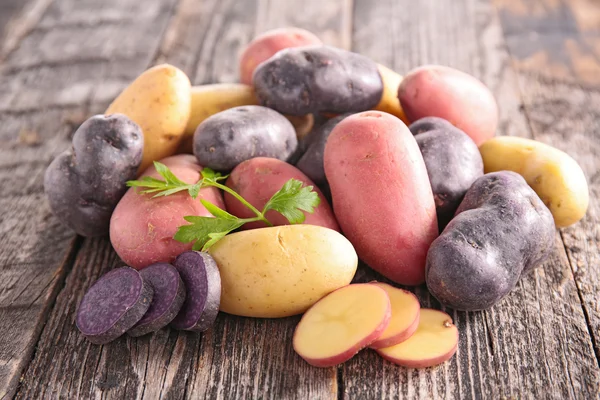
(85,183)
(169,295)
(113,304)
(318,79)
(429,124)
(501,230)
(202,280)
(226,139)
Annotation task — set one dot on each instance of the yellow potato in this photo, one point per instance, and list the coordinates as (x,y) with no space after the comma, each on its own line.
(389,99)
(553,174)
(281,271)
(159,102)
(208,100)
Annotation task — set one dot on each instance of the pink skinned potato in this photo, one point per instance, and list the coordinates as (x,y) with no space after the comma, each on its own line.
(439,91)
(265,45)
(258,179)
(142,227)
(381,194)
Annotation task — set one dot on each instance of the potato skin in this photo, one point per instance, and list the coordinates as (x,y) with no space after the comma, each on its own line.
(389,102)
(281,271)
(453,163)
(553,174)
(257,179)
(311,162)
(84,184)
(265,45)
(226,139)
(159,102)
(381,194)
(142,227)
(438,91)
(318,79)
(501,230)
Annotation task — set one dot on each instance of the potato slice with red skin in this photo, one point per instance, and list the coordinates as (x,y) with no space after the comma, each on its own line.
(434,342)
(405,316)
(341,323)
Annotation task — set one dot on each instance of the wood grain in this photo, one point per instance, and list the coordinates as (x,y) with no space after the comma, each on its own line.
(535,343)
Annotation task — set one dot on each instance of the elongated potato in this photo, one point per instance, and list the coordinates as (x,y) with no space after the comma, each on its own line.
(381,194)
(438,91)
(389,102)
(142,227)
(159,102)
(281,271)
(553,174)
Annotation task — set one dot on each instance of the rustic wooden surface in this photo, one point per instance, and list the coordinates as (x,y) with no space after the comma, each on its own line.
(64,60)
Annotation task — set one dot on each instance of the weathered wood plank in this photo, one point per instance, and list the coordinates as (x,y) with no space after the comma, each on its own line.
(535,343)
(559,69)
(239,357)
(36,252)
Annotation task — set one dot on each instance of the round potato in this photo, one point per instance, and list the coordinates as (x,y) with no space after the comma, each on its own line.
(381,194)
(159,102)
(438,91)
(226,139)
(142,227)
(553,174)
(258,179)
(389,102)
(265,45)
(281,271)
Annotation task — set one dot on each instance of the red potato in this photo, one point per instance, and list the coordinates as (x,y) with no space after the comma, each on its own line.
(265,45)
(405,316)
(381,194)
(340,324)
(434,342)
(438,91)
(142,227)
(258,179)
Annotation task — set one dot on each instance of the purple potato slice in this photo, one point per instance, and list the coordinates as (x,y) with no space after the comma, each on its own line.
(169,295)
(202,280)
(113,304)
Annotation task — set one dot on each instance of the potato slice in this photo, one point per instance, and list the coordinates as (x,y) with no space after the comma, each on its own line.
(434,342)
(405,316)
(342,323)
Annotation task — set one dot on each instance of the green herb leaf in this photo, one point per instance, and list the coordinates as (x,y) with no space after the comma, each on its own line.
(216,211)
(292,199)
(205,231)
(166,173)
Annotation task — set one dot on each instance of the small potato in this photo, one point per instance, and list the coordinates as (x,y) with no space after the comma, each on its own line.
(438,91)
(265,45)
(389,102)
(553,174)
(311,162)
(453,163)
(381,194)
(257,179)
(318,79)
(142,227)
(281,271)
(84,184)
(501,230)
(159,102)
(226,139)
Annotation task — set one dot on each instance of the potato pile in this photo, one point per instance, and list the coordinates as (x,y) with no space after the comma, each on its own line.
(259,198)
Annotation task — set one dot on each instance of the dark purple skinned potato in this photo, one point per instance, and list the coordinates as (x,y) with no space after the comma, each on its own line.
(202,280)
(452,160)
(113,304)
(228,138)
(169,295)
(501,230)
(318,79)
(85,183)
(311,162)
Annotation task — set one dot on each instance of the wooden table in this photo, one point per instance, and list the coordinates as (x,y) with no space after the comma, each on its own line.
(64,60)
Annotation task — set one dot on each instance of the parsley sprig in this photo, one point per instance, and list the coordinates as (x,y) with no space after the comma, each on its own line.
(291,201)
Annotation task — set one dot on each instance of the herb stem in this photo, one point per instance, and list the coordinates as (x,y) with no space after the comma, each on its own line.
(259,215)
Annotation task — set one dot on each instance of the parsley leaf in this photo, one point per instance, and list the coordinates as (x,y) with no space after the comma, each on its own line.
(292,199)
(206,231)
